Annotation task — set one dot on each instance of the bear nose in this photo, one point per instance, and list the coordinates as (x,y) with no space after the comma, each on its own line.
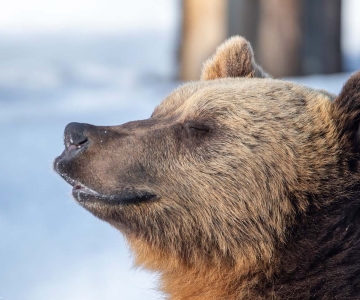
(75,137)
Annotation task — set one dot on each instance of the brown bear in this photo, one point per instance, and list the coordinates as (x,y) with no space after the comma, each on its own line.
(238,186)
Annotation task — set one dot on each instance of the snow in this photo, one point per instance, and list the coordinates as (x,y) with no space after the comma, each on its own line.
(51,248)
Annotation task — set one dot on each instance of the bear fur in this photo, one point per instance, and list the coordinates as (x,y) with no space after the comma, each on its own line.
(238,186)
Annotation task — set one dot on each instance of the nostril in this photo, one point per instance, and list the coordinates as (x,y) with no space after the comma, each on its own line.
(80,143)
(74,136)
(70,146)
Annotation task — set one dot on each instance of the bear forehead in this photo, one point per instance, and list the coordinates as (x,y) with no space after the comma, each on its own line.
(242,96)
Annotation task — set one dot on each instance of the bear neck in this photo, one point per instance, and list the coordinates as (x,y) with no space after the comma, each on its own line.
(322,256)
(321,259)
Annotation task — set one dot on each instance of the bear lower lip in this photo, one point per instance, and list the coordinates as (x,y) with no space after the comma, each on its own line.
(85,195)
(134,196)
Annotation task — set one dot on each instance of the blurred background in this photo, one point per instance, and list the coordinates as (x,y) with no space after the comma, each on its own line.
(108,62)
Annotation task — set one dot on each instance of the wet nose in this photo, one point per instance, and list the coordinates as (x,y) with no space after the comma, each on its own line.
(75,137)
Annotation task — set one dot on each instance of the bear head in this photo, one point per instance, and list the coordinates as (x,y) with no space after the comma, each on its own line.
(223,174)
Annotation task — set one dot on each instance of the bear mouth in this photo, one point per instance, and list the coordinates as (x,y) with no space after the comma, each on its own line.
(83,194)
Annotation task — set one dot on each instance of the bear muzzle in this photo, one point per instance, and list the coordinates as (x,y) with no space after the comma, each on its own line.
(78,140)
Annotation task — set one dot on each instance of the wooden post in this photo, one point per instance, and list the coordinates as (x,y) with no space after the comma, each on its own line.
(300,37)
(243,19)
(204,27)
(322,36)
(279,38)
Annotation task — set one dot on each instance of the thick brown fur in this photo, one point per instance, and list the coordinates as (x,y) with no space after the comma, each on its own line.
(255,185)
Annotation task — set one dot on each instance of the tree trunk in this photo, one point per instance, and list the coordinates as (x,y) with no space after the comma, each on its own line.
(243,19)
(279,38)
(204,28)
(322,36)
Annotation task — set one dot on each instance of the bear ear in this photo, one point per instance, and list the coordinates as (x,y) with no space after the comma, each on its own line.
(347,108)
(234,58)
